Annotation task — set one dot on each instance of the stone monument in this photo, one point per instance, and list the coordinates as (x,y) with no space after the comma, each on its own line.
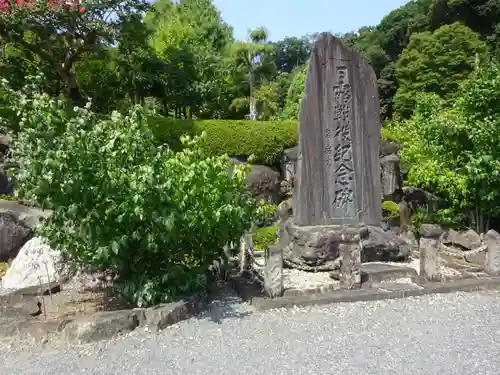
(338,169)
(337,191)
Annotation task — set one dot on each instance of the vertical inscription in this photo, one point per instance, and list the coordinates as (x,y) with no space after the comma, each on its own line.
(338,146)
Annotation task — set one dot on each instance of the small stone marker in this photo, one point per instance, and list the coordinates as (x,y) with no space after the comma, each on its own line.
(350,270)
(492,266)
(338,165)
(273,271)
(430,238)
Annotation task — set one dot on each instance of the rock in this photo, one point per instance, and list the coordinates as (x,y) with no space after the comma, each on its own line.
(289,163)
(314,248)
(419,197)
(29,216)
(36,269)
(103,325)
(468,239)
(388,148)
(17,222)
(264,183)
(474,257)
(431,231)
(13,235)
(285,209)
(378,245)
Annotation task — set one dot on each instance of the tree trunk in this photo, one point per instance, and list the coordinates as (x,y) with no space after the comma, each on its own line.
(74,93)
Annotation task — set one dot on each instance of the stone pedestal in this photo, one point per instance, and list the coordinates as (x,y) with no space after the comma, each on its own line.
(273,271)
(429,244)
(492,259)
(315,248)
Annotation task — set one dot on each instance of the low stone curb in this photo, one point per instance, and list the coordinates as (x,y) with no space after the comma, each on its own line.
(106,324)
(375,294)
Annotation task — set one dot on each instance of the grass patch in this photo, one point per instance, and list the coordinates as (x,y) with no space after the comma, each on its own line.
(264,236)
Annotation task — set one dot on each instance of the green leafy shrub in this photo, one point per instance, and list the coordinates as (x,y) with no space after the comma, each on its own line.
(390,209)
(266,140)
(156,218)
(266,214)
(264,236)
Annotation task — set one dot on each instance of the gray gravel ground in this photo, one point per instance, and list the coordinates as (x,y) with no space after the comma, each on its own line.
(437,334)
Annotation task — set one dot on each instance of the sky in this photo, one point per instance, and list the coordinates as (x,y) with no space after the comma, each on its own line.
(284,18)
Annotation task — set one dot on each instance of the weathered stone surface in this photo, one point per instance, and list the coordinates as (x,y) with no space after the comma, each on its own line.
(429,242)
(388,148)
(104,325)
(289,163)
(273,271)
(420,198)
(492,266)
(264,183)
(404,216)
(161,316)
(36,269)
(378,245)
(431,231)
(16,225)
(315,248)
(466,239)
(429,260)
(13,235)
(338,167)
(350,270)
(390,175)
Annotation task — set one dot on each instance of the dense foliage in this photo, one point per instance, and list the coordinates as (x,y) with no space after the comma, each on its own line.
(159,215)
(156,218)
(265,140)
(453,150)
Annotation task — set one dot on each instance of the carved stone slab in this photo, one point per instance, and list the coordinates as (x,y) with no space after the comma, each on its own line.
(338,167)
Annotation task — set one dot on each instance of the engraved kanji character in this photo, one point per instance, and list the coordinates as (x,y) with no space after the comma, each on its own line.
(328,133)
(342,153)
(343,197)
(328,152)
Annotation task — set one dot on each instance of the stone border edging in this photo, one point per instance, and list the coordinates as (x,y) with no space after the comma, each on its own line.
(375,294)
(106,324)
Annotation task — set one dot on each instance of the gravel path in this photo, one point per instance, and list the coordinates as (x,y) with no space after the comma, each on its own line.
(436,334)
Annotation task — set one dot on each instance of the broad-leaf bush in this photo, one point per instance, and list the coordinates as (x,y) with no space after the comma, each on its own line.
(155,217)
(454,151)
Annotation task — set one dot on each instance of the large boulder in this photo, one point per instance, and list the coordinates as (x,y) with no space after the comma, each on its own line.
(468,239)
(379,245)
(264,183)
(17,223)
(36,269)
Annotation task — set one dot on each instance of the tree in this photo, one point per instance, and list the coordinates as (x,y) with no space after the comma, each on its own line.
(436,62)
(60,36)
(453,150)
(253,57)
(191,35)
(291,108)
(290,53)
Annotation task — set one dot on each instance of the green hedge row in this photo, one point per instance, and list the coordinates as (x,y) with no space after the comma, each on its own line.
(264,139)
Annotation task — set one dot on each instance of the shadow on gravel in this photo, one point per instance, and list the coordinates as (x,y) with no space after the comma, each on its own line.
(225,304)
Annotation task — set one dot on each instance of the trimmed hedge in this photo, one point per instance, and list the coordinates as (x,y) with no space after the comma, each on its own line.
(264,139)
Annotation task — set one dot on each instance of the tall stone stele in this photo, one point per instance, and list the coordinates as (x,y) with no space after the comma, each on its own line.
(338,167)
(337,182)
